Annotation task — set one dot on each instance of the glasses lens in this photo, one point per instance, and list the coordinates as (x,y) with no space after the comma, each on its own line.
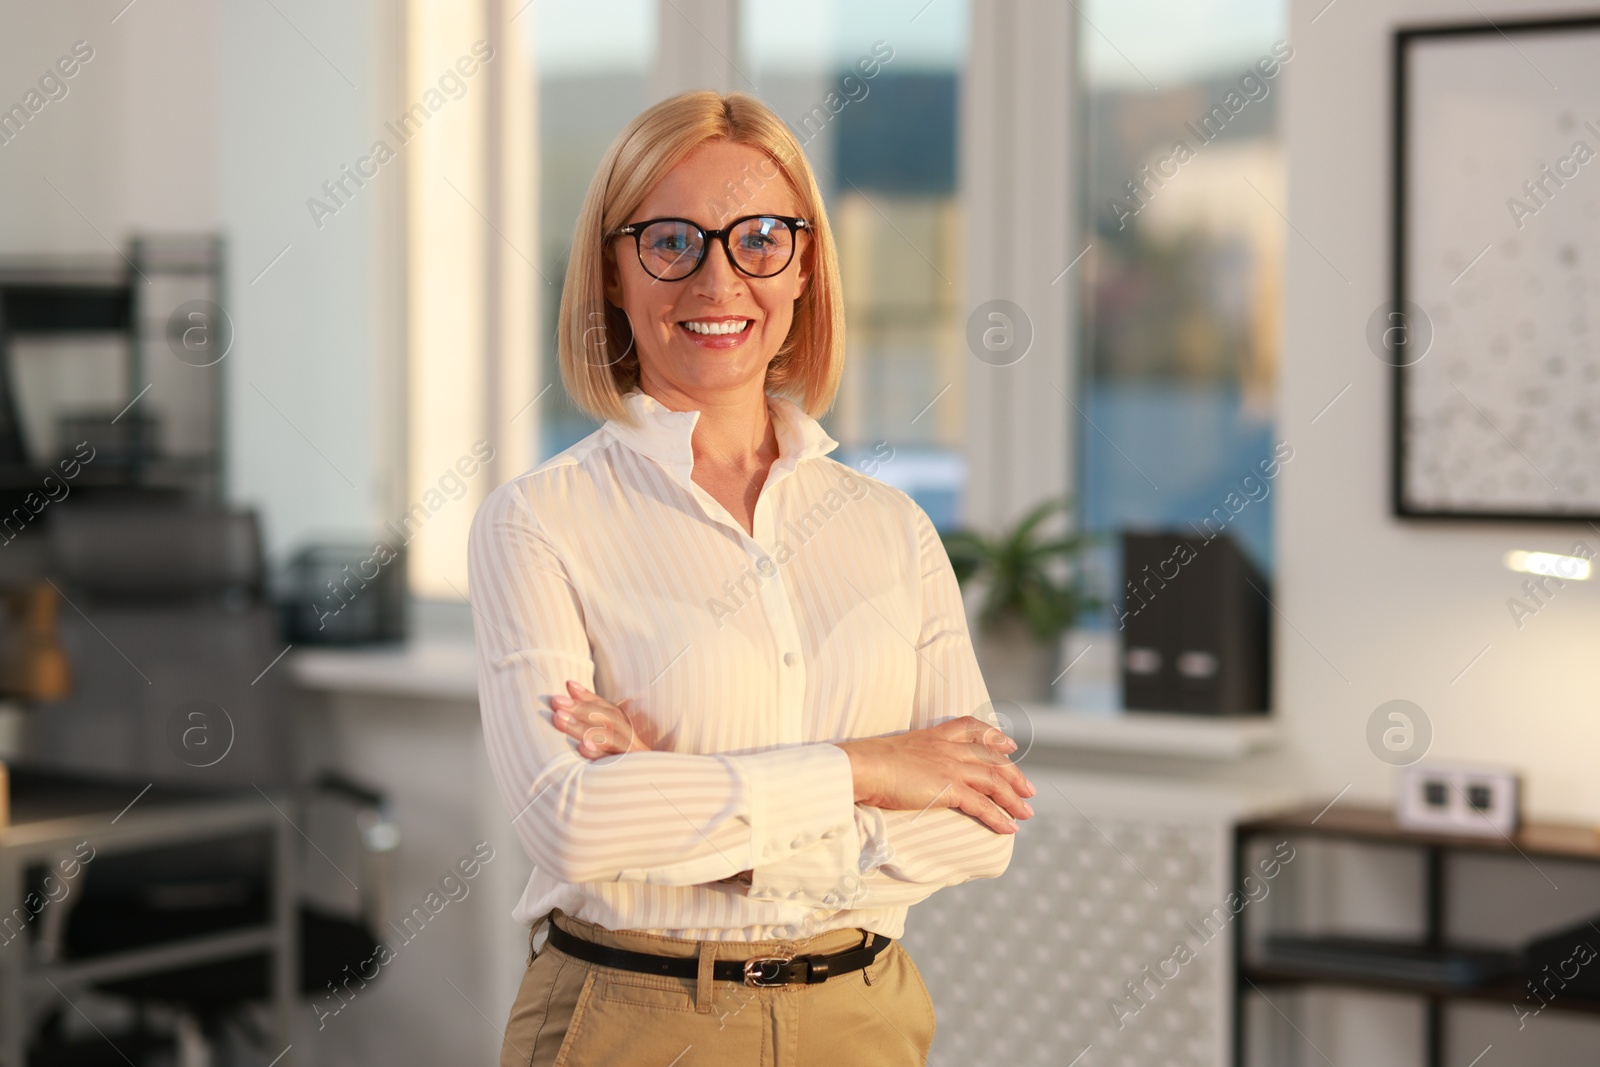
(762,246)
(670,250)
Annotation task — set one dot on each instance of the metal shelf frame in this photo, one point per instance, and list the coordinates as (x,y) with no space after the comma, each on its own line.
(26,983)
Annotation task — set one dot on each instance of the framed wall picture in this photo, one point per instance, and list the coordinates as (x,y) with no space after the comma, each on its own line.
(1494,325)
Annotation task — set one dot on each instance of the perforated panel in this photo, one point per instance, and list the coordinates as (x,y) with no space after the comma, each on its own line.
(1023,969)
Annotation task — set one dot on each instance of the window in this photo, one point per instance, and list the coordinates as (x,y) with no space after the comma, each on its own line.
(595,59)
(1179,301)
(458,132)
(1185,204)
(870,90)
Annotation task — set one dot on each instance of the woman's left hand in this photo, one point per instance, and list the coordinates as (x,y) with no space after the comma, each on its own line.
(601,727)
(606,729)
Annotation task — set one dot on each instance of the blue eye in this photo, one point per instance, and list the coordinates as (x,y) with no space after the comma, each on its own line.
(763,236)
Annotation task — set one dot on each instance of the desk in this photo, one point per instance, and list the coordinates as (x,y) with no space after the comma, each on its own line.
(52,813)
(1533,841)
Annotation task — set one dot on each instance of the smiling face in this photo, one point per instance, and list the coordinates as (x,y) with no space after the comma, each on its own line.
(717,330)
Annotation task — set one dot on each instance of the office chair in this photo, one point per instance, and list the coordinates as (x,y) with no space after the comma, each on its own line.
(155,896)
(171,644)
(169,637)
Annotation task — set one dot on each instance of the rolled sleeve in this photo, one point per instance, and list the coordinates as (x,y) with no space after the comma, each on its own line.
(805,835)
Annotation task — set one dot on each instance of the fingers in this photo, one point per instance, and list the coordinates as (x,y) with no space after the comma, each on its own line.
(991,799)
(610,728)
(576,695)
(600,728)
(1003,790)
(1000,785)
(974,730)
(990,795)
(1013,777)
(595,734)
(965,728)
(984,810)
(990,746)
(993,746)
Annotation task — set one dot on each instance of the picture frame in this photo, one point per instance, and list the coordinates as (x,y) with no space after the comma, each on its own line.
(1493,326)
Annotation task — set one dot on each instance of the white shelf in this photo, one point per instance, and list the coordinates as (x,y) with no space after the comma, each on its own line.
(1148,733)
(448,671)
(438,670)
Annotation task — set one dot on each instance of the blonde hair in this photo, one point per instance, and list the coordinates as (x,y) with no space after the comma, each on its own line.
(598,360)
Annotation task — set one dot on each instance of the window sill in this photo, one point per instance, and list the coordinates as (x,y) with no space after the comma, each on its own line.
(1217,739)
(447,670)
(426,669)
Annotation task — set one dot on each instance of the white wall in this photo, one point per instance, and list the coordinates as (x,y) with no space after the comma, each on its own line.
(149,84)
(196,116)
(1372,608)
(293,111)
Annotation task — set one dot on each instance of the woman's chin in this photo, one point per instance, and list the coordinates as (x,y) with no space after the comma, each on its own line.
(720,369)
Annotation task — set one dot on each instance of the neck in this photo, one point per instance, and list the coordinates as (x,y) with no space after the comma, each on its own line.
(735,428)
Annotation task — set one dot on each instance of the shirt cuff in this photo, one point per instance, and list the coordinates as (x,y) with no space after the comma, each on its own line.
(804,840)
(873,831)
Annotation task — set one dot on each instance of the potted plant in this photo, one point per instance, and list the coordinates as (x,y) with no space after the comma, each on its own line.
(1033,591)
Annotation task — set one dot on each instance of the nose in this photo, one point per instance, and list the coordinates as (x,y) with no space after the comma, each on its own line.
(716,280)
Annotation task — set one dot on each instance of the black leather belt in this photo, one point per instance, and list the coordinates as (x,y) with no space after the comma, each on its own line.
(756,971)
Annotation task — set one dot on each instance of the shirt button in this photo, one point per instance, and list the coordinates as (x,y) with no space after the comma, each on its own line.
(797,842)
(790,659)
(829,835)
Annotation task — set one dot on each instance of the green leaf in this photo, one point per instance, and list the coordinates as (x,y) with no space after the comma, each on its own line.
(1016,569)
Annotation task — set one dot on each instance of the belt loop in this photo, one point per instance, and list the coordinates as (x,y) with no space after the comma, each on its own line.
(533,932)
(703,982)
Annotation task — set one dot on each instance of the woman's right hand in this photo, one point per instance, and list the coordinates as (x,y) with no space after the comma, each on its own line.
(957,764)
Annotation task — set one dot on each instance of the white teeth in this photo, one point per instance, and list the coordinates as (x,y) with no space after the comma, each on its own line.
(734,326)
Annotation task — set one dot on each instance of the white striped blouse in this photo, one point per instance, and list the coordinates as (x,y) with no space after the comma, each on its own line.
(840,618)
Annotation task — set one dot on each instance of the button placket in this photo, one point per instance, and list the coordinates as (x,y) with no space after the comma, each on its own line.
(783,625)
(790,666)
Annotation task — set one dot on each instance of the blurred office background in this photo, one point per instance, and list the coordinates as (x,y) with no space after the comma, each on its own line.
(314,252)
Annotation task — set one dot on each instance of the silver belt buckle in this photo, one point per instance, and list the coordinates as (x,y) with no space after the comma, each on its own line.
(763,970)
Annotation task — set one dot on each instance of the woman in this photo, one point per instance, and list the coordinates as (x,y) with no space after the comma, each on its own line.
(727,684)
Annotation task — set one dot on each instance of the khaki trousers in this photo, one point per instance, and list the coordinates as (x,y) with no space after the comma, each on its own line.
(572,1013)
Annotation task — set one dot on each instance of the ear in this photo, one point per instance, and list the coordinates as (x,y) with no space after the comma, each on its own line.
(807,265)
(611,277)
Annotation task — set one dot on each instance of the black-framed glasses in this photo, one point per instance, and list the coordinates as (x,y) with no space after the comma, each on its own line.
(670,250)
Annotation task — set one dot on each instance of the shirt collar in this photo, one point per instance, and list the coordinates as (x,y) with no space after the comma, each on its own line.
(665,435)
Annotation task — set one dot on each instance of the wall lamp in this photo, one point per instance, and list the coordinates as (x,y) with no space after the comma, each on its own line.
(1570,568)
